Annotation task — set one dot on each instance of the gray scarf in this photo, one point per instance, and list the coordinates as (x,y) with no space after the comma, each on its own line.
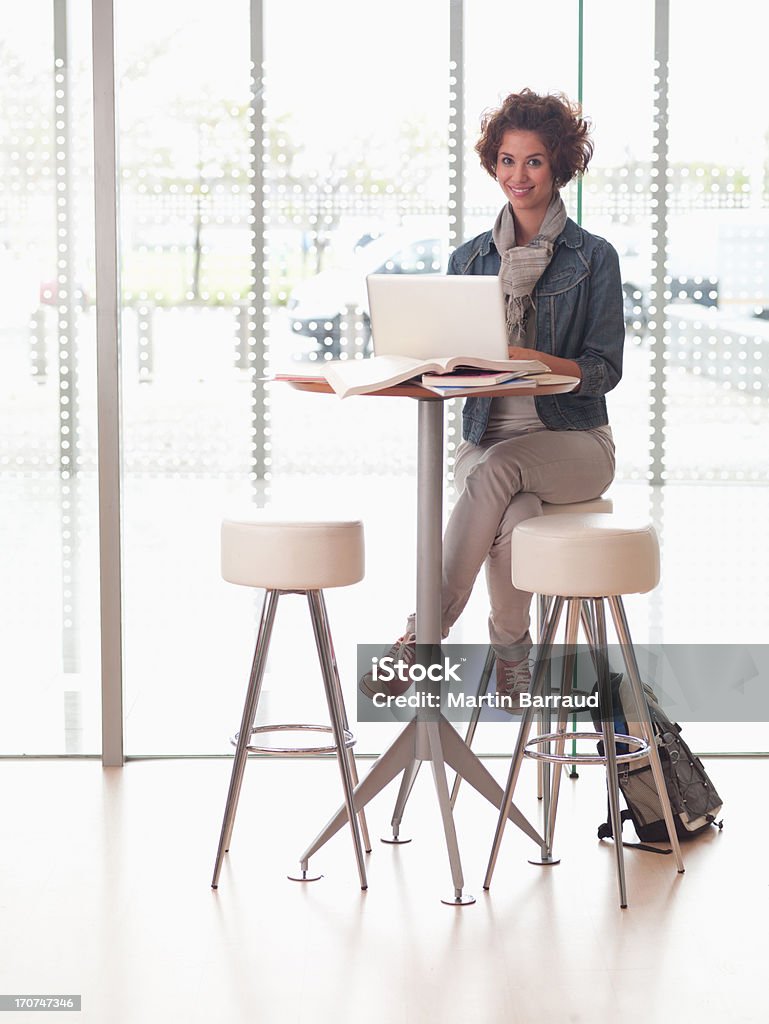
(523,265)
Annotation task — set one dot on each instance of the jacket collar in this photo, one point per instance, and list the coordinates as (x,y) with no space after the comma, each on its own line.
(572,237)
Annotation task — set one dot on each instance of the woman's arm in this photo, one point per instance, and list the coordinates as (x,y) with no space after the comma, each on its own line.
(598,359)
(603,337)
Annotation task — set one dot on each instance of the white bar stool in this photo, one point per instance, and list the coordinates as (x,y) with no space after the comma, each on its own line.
(583,560)
(597,505)
(284,556)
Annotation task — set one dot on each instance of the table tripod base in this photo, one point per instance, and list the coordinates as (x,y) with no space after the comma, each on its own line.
(439,742)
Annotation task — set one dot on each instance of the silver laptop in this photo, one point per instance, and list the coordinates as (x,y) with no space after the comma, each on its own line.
(432,315)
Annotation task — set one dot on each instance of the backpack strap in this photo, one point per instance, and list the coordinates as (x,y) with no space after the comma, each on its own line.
(605,831)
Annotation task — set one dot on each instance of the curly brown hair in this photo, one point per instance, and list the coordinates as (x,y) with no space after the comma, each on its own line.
(556,119)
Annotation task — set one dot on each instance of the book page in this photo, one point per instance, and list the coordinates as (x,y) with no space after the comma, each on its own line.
(358,376)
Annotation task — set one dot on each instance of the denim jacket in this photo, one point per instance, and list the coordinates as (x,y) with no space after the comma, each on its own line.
(579,316)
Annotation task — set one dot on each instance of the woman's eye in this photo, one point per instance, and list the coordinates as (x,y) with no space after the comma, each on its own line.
(535,162)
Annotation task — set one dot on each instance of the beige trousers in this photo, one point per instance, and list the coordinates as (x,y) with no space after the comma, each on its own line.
(500,485)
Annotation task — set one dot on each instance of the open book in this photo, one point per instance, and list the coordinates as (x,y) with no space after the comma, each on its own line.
(359,376)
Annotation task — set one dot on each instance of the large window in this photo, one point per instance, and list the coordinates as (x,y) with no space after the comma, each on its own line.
(716,323)
(219,287)
(186,195)
(270,156)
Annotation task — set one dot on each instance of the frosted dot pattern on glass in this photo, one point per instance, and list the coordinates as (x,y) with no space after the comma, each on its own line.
(49,658)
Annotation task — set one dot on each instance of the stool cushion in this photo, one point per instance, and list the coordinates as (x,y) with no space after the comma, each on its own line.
(283,554)
(588,555)
(577,507)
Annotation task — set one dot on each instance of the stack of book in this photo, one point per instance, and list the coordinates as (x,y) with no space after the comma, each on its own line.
(467,377)
(454,376)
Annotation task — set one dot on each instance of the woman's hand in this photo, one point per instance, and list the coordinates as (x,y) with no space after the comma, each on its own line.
(516,352)
(555,363)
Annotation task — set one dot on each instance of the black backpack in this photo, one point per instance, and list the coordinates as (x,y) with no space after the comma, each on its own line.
(693,797)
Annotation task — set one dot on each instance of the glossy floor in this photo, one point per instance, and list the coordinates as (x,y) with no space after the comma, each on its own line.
(104,891)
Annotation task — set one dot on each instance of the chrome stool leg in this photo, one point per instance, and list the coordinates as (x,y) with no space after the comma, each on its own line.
(322,642)
(543,768)
(537,685)
(592,613)
(249,714)
(345,722)
(572,630)
(609,743)
(623,632)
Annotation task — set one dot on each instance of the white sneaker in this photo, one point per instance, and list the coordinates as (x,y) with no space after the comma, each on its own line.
(513,680)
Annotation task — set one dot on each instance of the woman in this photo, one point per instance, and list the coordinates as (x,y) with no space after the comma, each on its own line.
(563,293)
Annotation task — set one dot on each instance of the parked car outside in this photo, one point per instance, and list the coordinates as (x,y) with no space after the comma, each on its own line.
(317,307)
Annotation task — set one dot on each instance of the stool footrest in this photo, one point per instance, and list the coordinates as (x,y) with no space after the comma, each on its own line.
(328,748)
(641,748)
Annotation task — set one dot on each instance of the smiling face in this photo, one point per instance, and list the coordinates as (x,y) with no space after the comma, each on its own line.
(524,174)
